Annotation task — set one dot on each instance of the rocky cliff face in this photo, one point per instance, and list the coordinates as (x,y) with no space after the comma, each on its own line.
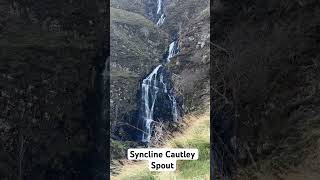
(49,56)
(191,66)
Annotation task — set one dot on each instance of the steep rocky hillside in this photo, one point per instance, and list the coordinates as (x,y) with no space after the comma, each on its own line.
(191,66)
(137,46)
(182,13)
(51,52)
(265,87)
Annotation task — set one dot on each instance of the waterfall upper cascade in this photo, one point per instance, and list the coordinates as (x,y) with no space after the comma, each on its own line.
(160,13)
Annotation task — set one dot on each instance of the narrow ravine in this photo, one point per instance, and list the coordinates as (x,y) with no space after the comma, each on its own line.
(157,81)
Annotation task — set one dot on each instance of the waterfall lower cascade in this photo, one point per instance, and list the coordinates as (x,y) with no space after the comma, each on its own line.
(148,96)
(155,83)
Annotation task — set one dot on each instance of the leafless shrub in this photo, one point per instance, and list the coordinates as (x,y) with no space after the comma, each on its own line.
(160,134)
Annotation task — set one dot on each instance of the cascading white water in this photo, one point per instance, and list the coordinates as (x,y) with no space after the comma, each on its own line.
(163,84)
(173,50)
(174,107)
(160,11)
(149,95)
(161,20)
(159,6)
(150,86)
(172,98)
(149,91)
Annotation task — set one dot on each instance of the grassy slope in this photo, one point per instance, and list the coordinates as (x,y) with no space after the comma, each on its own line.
(137,7)
(123,16)
(197,135)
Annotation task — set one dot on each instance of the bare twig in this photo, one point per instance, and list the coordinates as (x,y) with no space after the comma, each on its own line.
(21,156)
(222,95)
(21,148)
(127,124)
(251,157)
(219,47)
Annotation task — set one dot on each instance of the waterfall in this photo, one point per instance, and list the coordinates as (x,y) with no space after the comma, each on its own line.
(150,88)
(159,6)
(149,92)
(149,95)
(173,50)
(161,20)
(163,84)
(174,107)
(161,13)
(155,82)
